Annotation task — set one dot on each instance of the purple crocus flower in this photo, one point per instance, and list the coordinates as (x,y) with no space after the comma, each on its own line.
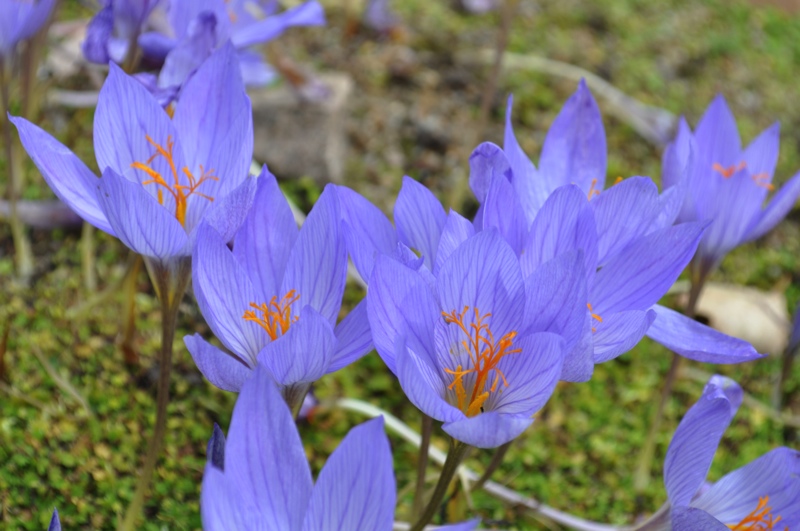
(196,27)
(760,495)
(114,28)
(424,229)
(574,152)
(471,349)
(726,184)
(274,300)
(55,522)
(633,253)
(20,20)
(160,177)
(259,478)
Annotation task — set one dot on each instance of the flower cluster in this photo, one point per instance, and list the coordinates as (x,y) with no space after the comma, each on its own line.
(178,36)
(20,20)
(478,319)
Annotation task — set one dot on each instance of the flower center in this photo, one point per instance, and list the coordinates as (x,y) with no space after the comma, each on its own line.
(594,316)
(179,192)
(484,355)
(760,519)
(276,317)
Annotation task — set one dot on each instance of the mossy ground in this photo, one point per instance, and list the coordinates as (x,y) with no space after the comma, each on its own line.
(580,456)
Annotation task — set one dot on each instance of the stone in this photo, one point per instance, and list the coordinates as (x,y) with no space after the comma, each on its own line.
(759,317)
(298,138)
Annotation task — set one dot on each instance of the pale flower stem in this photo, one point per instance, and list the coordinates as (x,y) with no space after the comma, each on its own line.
(422,466)
(502,493)
(170,282)
(641,477)
(87,257)
(457,453)
(22,247)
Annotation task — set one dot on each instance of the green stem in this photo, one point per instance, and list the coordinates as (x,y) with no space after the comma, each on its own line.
(133,56)
(641,476)
(170,283)
(422,466)
(457,453)
(294,395)
(494,464)
(87,257)
(22,247)
(778,393)
(129,353)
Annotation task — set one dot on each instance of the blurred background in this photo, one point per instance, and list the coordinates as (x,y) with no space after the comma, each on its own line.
(411,94)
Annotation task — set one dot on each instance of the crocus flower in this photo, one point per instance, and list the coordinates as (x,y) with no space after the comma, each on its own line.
(274,300)
(470,349)
(196,27)
(633,253)
(727,184)
(114,28)
(259,478)
(20,20)
(160,177)
(574,152)
(764,494)
(55,523)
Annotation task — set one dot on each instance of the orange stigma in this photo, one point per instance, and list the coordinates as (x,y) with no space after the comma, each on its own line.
(276,317)
(594,316)
(729,171)
(761,180)
(760,519)
(592,190)
(179,192)
(484,354)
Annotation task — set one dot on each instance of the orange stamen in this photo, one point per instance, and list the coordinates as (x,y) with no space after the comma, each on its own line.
(594,316)
(729,171)
(276,317)
(760,519)
(761,180)
(592,191)
(618,180)
(484,355)
(179,192)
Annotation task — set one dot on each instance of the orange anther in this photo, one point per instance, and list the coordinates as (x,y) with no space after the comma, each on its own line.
(729,171)
(484,355)
(594,316)
(179,192)
(760,519)
(276,317)
(761,179)
(592,191)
